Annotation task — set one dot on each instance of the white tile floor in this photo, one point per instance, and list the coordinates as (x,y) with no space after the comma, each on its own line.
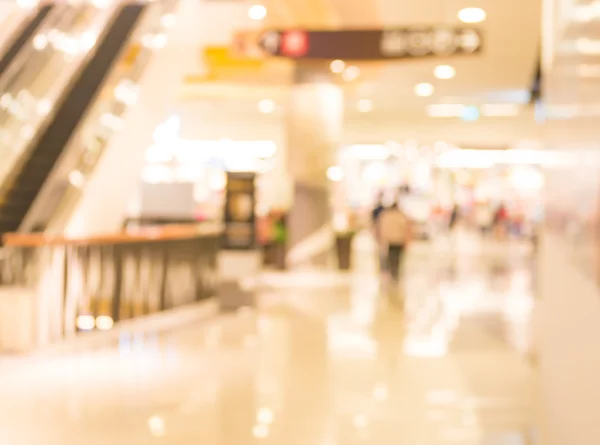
(319,364)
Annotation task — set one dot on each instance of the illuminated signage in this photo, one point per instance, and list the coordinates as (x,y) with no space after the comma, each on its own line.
(374,44)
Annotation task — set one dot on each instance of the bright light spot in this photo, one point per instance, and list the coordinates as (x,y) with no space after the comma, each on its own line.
(40,42)
(337,66)
(470,113)
(159,41)
(265,416)
(380,393)
(444,72)
(364,105)
(351,73)
(156,425)
(104,322)
(112,121)
(266,106)
(27,132)
(101,4)
(471,15)
(147,40)
(499,110)
(168,20)
(127,92)
(445,110)
(257,12)
(76,178)
(424,89)
(335,173)
(260,431)
(85,322)
(43,107)
(27,4)
(360,421)
(87,41)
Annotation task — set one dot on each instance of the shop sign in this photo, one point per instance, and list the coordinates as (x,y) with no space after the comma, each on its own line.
(375,44)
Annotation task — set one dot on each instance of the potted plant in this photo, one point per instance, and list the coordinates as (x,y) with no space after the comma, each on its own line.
(279,242)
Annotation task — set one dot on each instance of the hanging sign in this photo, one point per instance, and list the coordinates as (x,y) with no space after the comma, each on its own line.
(375,44)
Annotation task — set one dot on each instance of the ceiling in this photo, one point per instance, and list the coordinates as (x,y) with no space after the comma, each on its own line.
(506,66)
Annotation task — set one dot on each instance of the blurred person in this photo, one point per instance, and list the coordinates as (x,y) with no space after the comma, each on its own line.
(500,221)
(454,217)
(375,216)
(394,233)
(483,218)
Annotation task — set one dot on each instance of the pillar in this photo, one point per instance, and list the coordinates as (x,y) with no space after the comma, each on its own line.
(314,119)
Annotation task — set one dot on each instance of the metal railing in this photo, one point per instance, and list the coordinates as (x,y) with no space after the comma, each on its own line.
(68,286)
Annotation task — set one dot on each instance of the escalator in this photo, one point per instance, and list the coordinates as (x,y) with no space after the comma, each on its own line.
(22,188)
(22,36)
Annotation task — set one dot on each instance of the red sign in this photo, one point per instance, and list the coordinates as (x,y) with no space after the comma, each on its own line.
(294,43)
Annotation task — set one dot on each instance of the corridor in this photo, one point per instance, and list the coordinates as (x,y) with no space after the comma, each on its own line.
(323,359)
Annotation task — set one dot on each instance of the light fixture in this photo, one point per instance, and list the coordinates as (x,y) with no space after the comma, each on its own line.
(257,12)
(445,110)
(265,416)
(44,106)
(500,110)
(444,72)
(87,41)
(156,425)
(351,73)
(335,173)
(471,15)
(40,42)
(85,322)
(364,105)
(104,322)
(266,106)
(424,89)
(159,41)
(260,431)
(27,4)
(168,20)
(337,66)
(76,179)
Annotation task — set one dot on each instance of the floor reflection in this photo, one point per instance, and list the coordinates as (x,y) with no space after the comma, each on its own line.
(439,360)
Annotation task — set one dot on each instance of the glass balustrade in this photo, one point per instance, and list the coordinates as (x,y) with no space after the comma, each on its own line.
(36,80)
(107,115)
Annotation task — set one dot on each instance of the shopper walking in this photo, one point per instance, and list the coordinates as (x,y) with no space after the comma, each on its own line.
(394,232)
(375,216)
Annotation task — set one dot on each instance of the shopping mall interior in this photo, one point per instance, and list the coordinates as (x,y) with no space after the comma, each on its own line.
(303,222)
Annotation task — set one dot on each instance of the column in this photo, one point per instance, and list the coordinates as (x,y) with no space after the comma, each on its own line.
(314,119)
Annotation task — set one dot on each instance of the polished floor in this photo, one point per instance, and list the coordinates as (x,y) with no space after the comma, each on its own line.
(324,359)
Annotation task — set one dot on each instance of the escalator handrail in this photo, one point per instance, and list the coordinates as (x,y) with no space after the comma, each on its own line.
(62,88)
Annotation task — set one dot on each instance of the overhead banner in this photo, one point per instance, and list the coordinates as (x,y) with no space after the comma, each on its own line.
(375,44)
(239,218)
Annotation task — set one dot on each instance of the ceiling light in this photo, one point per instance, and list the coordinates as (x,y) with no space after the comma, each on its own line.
(499,110)
(337,66)
(40,42)
(257,12)
(104,322)
(364,105)
(335,173)
(168,20)
(471,15)
(266,106)
(444,110)
(76,179)
(424,89)
(351,73)
(444,72)
(27,4)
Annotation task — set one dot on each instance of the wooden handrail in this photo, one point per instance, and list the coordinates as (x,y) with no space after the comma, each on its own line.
(160,233)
